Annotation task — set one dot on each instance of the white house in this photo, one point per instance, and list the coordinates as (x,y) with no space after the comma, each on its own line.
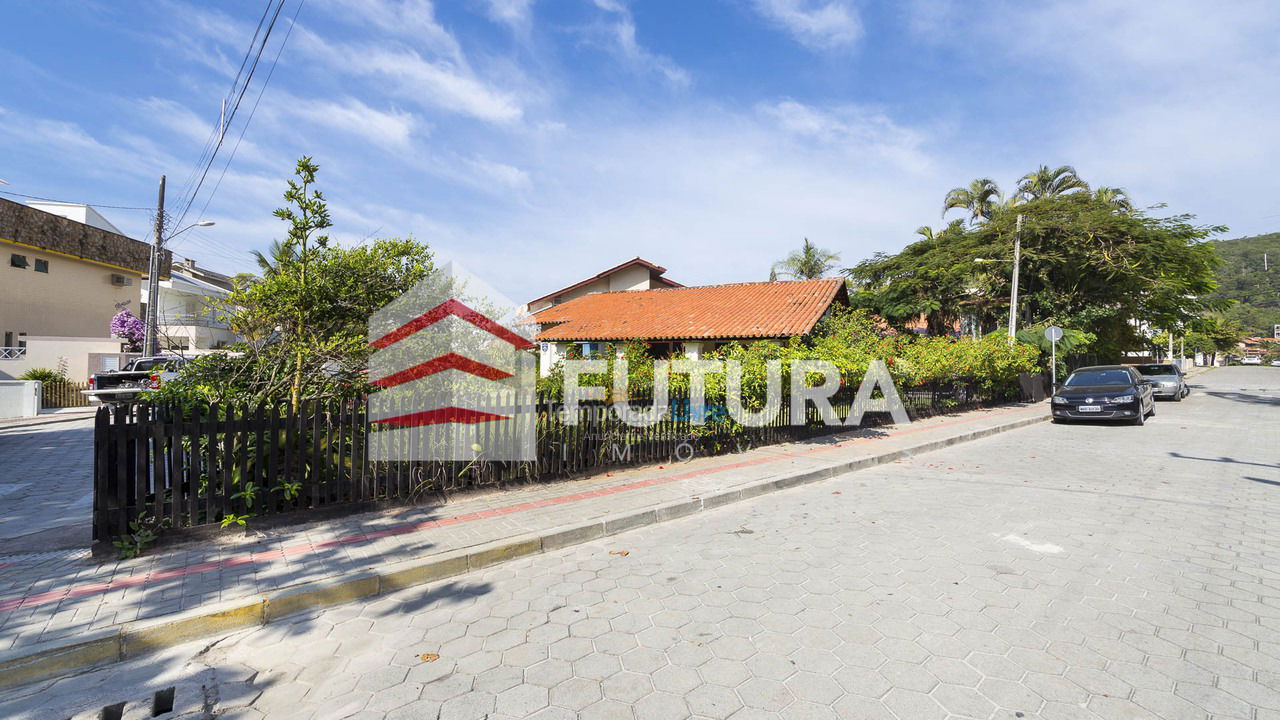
(187,320)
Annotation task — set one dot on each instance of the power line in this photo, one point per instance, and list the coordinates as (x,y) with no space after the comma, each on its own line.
(231,116)
(77,202)
(220,129)
(254,110)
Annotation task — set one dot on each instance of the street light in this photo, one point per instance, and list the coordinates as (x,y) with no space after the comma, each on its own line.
(151,339)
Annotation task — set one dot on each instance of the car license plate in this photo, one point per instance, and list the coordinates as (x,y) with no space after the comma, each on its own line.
(1089,408)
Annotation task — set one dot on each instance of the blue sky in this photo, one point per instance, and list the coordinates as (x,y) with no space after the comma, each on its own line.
(540,141)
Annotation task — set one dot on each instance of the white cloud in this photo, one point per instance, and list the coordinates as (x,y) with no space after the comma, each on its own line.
(817,24)
(516,13)
(1174,105)
(489,173)
(391,129)
(437,84)
(712,194)
(851,129)
(622,35)
(412,18)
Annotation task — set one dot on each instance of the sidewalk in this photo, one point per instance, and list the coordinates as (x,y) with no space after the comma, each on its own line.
(60,611)
(49,416)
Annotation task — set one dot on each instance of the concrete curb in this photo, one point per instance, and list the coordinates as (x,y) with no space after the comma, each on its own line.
(130,640)
(46,420)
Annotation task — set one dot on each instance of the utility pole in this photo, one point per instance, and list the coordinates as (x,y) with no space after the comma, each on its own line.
(151,341)
(1013,293)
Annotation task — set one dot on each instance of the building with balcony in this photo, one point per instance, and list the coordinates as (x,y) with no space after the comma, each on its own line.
(188,319)
(64,272)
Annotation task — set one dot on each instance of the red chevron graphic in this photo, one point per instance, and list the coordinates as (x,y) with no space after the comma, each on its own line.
(440,312)
(439,416)
(452,361)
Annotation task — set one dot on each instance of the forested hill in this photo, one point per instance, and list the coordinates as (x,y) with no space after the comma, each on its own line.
(1246,278)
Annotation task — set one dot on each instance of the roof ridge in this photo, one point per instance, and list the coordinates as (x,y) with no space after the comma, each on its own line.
(700,287)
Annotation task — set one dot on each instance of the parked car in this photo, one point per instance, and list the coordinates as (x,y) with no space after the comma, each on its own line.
(138,375)
(1105,392)
(1251,360)
(1167,380)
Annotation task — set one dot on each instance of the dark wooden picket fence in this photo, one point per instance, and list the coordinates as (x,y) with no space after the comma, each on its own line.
(63,394)
(223,464)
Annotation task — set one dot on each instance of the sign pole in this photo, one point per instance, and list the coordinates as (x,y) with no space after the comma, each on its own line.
(1053,334)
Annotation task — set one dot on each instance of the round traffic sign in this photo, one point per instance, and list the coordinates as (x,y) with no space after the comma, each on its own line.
(1053,333)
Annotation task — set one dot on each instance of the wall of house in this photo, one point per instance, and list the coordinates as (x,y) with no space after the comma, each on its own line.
(636,277)
(53,352)
(59,235)
(75,298)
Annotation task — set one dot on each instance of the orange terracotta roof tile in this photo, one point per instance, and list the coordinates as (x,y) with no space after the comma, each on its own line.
(745,310)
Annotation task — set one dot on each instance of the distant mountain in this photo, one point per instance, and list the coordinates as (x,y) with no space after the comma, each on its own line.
(1250,275)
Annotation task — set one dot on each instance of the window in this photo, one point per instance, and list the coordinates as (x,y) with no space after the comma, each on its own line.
(18,261)
(42,266)
(1100,377)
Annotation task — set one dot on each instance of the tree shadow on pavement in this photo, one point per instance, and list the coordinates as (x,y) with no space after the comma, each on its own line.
(186,680)
(1224,459)
(1245,397)
(454,592)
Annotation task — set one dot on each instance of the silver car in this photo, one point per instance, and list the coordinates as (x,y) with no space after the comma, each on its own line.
(1166,379)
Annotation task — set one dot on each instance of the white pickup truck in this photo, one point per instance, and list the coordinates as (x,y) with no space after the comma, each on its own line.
(138,375)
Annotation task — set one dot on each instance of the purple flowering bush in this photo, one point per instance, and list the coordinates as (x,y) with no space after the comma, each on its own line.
(129,327)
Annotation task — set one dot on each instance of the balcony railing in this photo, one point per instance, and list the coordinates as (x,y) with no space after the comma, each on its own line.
(12,353)
(191,320)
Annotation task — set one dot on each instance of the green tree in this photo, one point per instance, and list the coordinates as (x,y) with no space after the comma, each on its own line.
(1249,279)
(308,215)
(1115,197)
(931,278)
(279,254)
(980,199)
(807,263)
(1046,182)
(1211,334)
(1083,266)
(304,323)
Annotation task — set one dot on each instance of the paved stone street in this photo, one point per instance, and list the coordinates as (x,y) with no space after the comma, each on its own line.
(46,487)
(1056,572)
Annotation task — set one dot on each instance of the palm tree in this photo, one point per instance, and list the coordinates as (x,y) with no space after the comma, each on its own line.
(1050,182)
(926,232)
(1115,197)
(278,255)
(981,199)
(807,263)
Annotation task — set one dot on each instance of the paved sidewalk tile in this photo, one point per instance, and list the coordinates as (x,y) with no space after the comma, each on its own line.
(58,595)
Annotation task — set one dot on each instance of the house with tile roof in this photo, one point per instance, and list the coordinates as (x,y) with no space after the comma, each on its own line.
(632,275)
(686,321)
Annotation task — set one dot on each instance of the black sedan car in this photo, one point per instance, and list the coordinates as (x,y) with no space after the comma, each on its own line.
(1105,392)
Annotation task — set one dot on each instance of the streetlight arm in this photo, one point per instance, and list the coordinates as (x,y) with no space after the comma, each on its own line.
(202,223)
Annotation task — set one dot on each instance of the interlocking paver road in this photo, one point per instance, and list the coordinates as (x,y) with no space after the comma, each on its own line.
(46,486)
(1053,572)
